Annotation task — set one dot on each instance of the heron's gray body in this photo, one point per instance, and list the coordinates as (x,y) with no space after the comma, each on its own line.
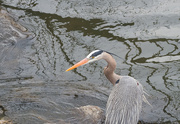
(125,102)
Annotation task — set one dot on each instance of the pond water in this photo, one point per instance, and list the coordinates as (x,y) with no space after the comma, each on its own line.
(52,35)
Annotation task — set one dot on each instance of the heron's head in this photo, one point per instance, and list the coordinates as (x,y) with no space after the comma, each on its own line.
(93,56)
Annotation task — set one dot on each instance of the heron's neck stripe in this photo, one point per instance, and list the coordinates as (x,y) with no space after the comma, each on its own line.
(117,81)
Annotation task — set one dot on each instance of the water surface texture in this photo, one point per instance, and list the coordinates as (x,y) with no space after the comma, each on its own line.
(34,87)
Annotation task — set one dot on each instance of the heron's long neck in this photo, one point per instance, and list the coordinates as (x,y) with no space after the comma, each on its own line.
(109,70)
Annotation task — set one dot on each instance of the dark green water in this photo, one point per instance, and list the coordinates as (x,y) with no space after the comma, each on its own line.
(34,87)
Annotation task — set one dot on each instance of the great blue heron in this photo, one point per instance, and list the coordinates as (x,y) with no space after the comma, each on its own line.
(125,101)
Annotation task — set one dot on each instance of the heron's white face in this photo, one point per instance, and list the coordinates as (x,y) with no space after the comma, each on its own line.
(93,56)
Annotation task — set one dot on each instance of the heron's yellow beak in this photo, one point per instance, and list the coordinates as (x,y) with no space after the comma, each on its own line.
(82,62)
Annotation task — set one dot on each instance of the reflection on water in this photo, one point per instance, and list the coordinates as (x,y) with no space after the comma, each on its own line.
(34,85)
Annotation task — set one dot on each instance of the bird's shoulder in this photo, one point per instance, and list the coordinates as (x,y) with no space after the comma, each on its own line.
(129,83)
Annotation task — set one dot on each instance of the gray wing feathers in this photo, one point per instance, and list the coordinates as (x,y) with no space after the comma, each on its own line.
(125,102)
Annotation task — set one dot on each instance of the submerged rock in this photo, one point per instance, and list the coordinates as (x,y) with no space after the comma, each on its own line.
(91,114)
(11,31)
(13,39)
(3,118)
(5,121)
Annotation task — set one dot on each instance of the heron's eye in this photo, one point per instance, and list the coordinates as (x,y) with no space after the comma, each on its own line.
(92,57)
